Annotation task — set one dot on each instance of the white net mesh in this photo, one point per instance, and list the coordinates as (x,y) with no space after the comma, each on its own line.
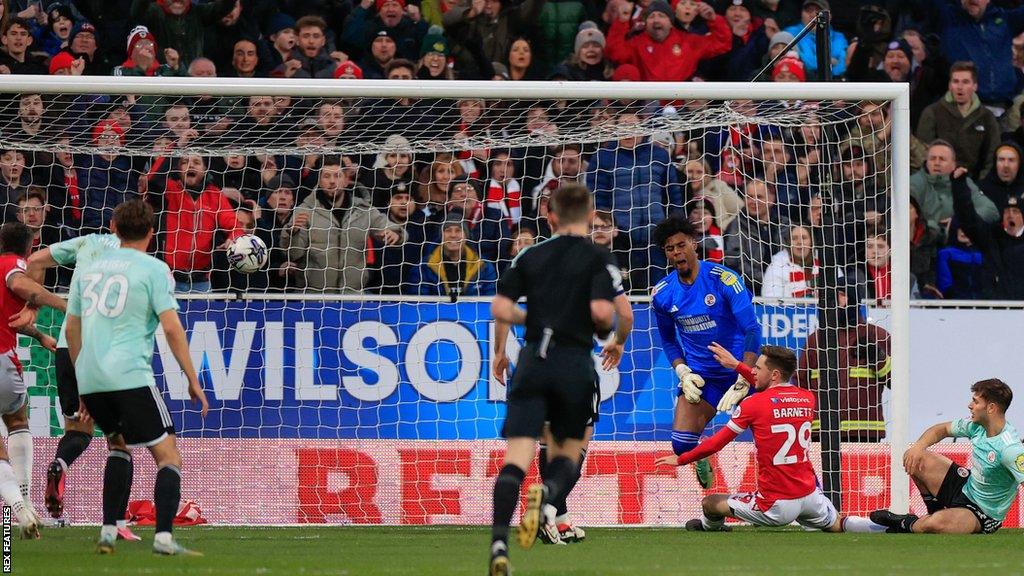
(355,368)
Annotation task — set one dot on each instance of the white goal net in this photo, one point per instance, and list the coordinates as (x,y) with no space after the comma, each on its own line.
(350,379)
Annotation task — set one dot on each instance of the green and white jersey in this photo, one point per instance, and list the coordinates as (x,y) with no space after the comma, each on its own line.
(997,467)
(119,298)
(80,252)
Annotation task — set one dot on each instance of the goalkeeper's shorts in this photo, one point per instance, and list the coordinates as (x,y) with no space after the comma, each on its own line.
(812,511)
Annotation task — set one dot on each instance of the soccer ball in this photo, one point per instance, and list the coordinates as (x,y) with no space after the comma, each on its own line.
(248,254)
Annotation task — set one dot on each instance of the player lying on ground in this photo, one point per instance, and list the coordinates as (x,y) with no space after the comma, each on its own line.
(562,529)
(78,425)
(961,500)
(18,291)
(696,304)
(115,306)
(780,418)
(569,285)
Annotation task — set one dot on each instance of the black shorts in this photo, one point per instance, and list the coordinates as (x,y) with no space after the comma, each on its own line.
(951,495)
(67,382)
(139,415)
(560,389)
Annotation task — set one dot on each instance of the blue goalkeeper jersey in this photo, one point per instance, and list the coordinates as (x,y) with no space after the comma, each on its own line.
(715,308)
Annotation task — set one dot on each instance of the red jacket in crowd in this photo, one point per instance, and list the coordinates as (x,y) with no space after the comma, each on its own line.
(190,224)
(673,60)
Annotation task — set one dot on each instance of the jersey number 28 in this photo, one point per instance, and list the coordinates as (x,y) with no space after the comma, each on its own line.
(109,301)
(803,436)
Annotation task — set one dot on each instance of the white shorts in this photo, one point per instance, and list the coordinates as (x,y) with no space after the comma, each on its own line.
(13,392)
(811,511)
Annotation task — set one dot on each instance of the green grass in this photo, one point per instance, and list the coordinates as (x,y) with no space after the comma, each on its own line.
(455,550)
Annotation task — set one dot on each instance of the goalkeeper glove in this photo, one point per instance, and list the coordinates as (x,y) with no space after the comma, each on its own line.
(690,382)
(733,395)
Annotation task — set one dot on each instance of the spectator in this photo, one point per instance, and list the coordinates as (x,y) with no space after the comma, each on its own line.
(396,262)
(960,118)
(142,59)
(661,52)
(978,32)
(362,27)
(309,58)
(700,185)
(755,235)
(329,231)
(66,195)
(559,25)
(793,272)
(587,61)
(245,59)
(82,44)
(503,192)
(603,232)
(864,369)
(274,218)
(924,245)
(1006,181)
(778,13)
(637,182)
(899,65)
(539,221)
(454,269)
(930,186)
(486,226)
(348,70)
(710,243)
(193,214)
(789,69)
(391,173)
(1001,243)
(520,60)
(275,48)
(492,23)
(566,167)
(244,21)
(432,191)
(238,177)
(382,52)
(749,45)
(877,264)
(13,182)
(179,24)
(33,212)
(523,238)
(57,35)
(779,170)
(106,178)
(807,47)
(960,272)
(433,64)
(15,57)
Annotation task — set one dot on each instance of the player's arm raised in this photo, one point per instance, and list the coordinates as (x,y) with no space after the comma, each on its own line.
(914,456)
(178,342)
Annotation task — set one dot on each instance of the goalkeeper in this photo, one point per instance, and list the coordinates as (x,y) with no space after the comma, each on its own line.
(699,303)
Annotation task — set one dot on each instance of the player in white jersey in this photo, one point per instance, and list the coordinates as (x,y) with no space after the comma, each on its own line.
(115,307)
(78,425)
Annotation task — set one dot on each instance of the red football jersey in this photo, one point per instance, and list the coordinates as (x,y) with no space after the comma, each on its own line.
(780,418)
(10,303)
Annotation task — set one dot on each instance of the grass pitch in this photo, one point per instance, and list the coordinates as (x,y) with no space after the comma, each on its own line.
(455,550)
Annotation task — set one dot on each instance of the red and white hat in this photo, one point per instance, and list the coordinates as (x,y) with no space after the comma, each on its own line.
(138,34)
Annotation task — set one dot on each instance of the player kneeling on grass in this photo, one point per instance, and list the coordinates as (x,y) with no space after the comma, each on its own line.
(965,500)
(115,306)
(780,418)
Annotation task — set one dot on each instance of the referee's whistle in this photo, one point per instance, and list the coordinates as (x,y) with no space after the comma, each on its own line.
(545,341)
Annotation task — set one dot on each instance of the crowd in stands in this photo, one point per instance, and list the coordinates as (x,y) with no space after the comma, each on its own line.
(449,224)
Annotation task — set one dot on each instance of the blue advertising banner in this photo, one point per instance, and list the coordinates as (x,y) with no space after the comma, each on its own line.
(396,370)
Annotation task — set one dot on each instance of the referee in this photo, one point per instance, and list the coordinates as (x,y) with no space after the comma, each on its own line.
(569,284)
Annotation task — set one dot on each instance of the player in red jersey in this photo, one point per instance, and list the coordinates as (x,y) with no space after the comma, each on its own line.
(17,291)
(780,418)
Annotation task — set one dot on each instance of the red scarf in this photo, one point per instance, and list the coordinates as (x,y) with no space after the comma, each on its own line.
(74,194)
(883,285)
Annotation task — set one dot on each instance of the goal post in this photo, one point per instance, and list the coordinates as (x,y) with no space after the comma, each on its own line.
(348,388)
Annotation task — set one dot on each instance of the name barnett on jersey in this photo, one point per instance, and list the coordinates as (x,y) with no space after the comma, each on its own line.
(792,412)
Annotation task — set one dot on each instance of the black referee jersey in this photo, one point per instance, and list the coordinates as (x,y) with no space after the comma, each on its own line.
(559,278)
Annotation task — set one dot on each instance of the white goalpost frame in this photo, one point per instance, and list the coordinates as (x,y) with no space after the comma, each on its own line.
(898,94)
